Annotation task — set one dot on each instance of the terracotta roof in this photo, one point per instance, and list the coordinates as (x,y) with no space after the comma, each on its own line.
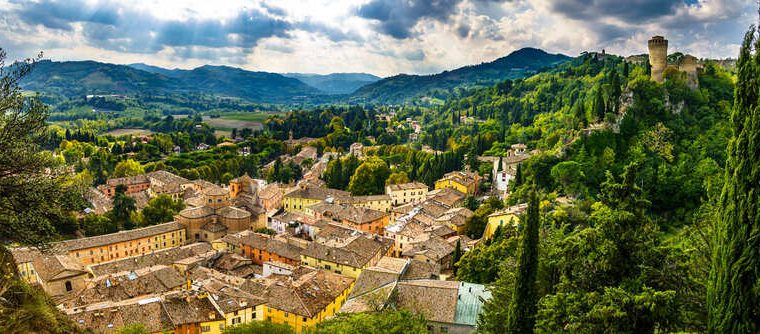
(288,217)
(197,212)
(317,193)
(107,239)
(447,196)
(408,186)
(111,318)
(348,212)
(233,212)
(271,245)
(166,177)
(129,284)
(421,270)
(435,300)
(215,191)
(130,180)
(164,256)
(190,308)
(306,293)
(370,280)
(55,267)
(270,191)
(229,298)
(357,253)
(434,248)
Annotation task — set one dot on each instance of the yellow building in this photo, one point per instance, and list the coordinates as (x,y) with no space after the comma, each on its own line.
(124,244)
(508,217)
(463,181)
(304,299)
(306,195)
(238,306)
(194,312)
(347,257)
(374,202)
(405,193)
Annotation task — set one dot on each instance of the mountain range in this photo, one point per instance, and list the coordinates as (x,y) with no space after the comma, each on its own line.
(78,78)
(402,87)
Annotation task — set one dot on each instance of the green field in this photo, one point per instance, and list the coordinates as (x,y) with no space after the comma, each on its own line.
(237,120)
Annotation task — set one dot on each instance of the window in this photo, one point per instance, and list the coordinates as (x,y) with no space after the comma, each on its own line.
(286,314)
(68,286)
(444,329)
(205,329)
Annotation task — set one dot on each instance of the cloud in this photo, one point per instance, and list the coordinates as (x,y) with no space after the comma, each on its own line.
(632,11)
(384,37)
(120,28)
(396,18)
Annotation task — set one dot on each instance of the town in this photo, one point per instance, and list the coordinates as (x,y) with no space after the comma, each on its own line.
(377,166)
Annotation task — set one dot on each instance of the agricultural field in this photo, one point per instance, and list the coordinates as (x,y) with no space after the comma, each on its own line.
(129,131)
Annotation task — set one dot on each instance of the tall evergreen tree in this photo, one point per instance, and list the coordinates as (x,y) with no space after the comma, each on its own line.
(518,176)
(734,289)
(456,256)
(522,310)
(598,106)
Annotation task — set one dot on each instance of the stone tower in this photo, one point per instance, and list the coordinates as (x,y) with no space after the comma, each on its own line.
(689,65)
(658,56)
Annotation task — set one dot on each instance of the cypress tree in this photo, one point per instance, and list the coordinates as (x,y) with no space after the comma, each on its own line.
(599,108)
(518,176)
(522,310)
(456,256)
(734,289)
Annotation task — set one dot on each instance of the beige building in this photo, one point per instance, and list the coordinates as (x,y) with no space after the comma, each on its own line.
(405,193)
(374,202)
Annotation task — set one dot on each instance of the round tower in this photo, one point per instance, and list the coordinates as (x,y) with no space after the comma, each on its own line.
(658,56)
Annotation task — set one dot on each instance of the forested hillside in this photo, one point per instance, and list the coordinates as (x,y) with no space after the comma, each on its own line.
(420,89)
(641,165)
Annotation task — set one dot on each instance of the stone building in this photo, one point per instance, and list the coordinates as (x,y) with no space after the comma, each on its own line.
(658,60)
(215,218)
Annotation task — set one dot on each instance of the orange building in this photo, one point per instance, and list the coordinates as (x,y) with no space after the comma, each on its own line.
(123,244)
(134,184)
(261,248)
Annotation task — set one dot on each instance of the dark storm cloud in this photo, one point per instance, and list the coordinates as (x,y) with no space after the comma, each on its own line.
(60,15)
(396,18)
(115,27)
(630,11)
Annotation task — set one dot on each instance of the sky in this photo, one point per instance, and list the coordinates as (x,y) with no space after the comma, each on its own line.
(382,37)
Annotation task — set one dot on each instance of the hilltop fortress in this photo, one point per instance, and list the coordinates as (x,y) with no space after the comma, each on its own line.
(658,59)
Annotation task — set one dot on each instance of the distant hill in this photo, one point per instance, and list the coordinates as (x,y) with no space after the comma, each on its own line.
(77,78)
(155,69)
(403,87)
(335,83)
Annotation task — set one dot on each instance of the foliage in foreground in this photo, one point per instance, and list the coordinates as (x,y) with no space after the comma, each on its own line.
(259,327)
(734,287)
(385,322)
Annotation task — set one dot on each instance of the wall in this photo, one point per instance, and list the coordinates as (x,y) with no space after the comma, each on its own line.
(331,266)
(296,204)
(129,248)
